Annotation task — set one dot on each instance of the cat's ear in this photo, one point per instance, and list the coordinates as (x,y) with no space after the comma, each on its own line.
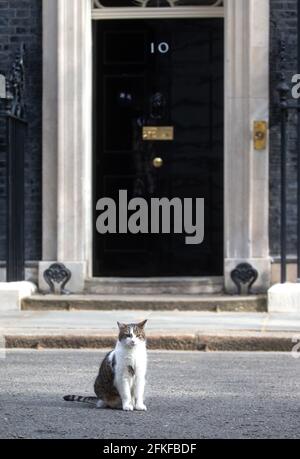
(142,324)
(121,326)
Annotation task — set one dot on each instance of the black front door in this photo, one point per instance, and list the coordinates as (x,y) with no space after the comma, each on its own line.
(159,73)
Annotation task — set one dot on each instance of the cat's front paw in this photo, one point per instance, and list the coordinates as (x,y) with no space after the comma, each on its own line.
(140,407)
(128,407)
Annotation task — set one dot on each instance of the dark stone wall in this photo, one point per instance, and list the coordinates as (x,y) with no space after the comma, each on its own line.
(283,24)
(21,21)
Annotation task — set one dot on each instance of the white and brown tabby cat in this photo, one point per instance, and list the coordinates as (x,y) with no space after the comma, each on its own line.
(120,383)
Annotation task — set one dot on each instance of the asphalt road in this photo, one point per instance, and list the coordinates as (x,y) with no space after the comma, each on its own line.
(189,395)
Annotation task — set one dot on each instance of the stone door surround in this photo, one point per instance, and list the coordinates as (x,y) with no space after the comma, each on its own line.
(67,136)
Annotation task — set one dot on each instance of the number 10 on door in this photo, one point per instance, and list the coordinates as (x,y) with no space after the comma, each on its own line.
(162,48)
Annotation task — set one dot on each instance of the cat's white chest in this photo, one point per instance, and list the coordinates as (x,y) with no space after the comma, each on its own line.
(137,360)
(131,361)
(130,364)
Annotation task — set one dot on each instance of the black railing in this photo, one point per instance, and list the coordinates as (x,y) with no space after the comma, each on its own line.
(286,105)
(12,117)
(283,90)
(298,146)
(16,138)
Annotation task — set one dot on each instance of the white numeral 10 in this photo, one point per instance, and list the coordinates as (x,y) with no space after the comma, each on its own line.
(163,48)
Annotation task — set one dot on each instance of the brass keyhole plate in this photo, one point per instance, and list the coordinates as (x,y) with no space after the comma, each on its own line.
(260,135)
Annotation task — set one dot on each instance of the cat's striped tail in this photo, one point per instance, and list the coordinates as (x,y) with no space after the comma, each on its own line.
(79,399)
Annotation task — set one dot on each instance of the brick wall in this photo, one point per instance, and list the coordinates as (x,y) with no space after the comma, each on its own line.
(283,21)
(21,21)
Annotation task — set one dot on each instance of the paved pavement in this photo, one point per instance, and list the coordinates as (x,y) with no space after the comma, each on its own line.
(95,322)
(189,395)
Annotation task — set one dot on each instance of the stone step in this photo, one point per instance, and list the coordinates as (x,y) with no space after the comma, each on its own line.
(214,342)
(213,303)
(155,286)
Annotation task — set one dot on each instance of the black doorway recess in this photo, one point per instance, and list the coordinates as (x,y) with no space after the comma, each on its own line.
(167,72)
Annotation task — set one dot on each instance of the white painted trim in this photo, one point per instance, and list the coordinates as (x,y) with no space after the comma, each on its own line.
(246,170)
(158,13)
(74,118)
(50,129)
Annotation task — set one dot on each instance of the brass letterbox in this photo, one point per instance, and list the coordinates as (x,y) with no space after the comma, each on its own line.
(155,133)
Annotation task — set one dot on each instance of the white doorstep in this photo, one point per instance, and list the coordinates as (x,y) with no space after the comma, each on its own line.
(12,294)
(284,298)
